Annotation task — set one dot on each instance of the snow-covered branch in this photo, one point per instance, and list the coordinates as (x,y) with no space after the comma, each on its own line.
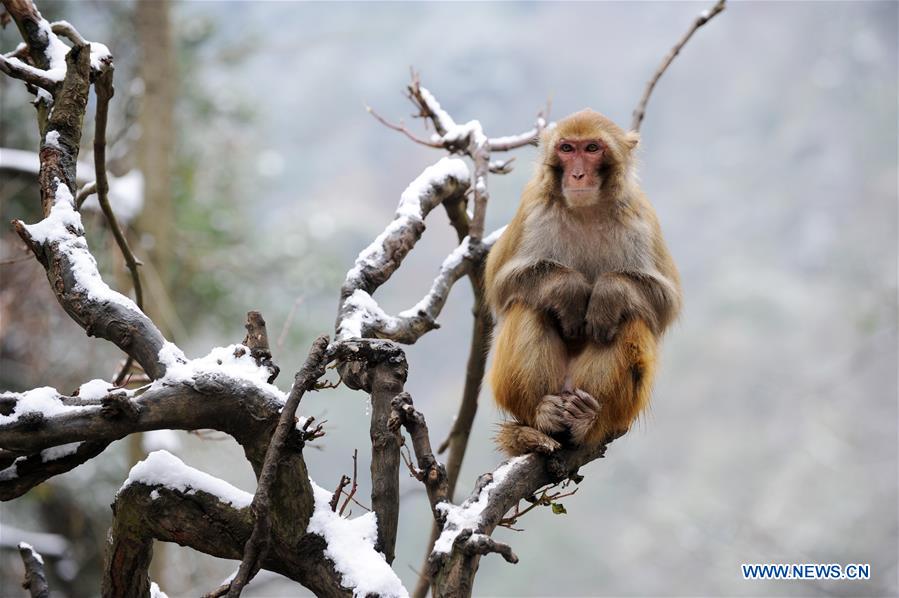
(441,182)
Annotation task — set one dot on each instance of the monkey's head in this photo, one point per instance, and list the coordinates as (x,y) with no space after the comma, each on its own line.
(587,157)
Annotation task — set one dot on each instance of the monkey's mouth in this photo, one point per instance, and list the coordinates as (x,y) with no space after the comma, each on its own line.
(592,189)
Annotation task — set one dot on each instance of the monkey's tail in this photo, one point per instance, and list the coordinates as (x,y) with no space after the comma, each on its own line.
(515,438)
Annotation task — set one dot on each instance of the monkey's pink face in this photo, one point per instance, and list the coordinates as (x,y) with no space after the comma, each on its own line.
(580,160)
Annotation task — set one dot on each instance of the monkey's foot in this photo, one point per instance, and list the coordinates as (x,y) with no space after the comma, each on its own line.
(581,411)
(516,439)
(551,416)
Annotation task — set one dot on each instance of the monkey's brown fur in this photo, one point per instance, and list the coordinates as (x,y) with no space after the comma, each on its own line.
(583,287)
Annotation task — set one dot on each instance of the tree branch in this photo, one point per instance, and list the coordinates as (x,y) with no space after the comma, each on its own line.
(257,546)
(35,578)
(703,18)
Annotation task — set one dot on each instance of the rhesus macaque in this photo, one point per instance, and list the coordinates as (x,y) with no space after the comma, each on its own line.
(582,287)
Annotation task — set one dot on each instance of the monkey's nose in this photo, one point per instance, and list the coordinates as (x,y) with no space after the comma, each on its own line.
(577,175)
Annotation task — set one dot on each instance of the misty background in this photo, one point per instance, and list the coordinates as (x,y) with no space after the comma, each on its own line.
(769,150)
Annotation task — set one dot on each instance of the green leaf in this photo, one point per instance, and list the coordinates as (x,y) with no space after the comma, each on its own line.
(559,508)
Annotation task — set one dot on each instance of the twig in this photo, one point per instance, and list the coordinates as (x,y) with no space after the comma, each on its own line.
(335,498)
(86,191)
(354,486)
(35,578)
(402,129)
(257,546)
(544,500)
(703,18)
(104,90)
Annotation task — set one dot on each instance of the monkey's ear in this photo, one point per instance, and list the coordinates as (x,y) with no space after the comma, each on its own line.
(631,139)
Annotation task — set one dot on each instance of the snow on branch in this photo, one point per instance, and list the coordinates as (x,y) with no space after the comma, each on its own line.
(59,244)
(440,182)
(162,468)
(350,545)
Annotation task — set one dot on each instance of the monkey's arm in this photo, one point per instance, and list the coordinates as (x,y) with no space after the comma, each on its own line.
(620,296)
(546,286)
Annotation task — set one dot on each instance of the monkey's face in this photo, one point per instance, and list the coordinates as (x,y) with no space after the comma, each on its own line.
(580,162)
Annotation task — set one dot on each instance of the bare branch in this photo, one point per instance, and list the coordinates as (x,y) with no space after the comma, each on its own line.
(402,129)
(703,18)
(86,191)
(480,544)
(355,485)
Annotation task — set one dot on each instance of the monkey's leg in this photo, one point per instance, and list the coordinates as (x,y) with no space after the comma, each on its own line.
(530,363)
(619,377)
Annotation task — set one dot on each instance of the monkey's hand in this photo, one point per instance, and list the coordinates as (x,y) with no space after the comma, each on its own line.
(581,411)
(607,311)
(551,416)
(564,294)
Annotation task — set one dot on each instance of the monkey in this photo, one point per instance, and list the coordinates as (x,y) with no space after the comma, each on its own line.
(582,288)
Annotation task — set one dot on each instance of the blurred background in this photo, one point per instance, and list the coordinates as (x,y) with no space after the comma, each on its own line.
(250,175)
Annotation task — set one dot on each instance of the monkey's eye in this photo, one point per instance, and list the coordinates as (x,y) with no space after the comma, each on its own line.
(566,148)
(592,148)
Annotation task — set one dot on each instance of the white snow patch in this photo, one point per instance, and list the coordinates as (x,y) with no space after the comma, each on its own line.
(468,514)
(434,105)
(155,440)
(170,355)
(98,53)
(362,310)
(58,452)
(155,592)
(95,389)
(56,53)
(432,176)
(62,217)
(351,547)
(52,138)
(472,130)
(220,360)
(45,400)
(165,469)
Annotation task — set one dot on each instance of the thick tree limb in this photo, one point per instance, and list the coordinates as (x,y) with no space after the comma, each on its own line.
(204,395)
(378,368)
(703,18)
(206,523)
